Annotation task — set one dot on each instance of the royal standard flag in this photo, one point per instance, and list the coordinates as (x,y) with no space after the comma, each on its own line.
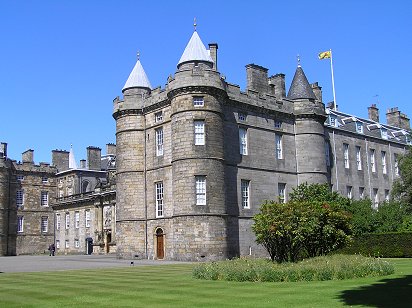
(325,55)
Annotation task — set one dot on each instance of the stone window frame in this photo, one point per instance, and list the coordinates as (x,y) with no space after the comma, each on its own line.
(282,192)
(198,101)
(245,193)
(76,219)
(375,197)
(243,140)
(158,116)
(279,146)
(76,243)
(200,189)
(199,131)
(58,221)
(20,198)
(349,192)
(346,155)
(358,157)
(44,224)
(159,195)
(278,123)
(361,192)
(44,179)
(57,244)
(19,177)
(359,127)
(66,244)
(20,224)
(159,140)
(44,198)
(383,161)
(372,160)
(242,116)
(87,218)
(67,221)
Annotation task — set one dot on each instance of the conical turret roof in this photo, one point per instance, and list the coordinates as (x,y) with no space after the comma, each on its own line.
(137,78)
(195,51)
(300,87)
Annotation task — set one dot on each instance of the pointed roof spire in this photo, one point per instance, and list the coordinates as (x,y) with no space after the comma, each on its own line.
(138,77)
(72,160)
(195,50)
(300,87)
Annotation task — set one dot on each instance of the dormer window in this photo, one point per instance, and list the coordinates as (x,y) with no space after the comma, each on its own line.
(198,101)
(359,127)
(242,116)
(278,124)
(333,121)
(384,133)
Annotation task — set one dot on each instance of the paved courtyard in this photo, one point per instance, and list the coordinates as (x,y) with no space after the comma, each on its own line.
(68,262)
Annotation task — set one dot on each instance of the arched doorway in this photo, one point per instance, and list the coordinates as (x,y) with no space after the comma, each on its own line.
(160,244)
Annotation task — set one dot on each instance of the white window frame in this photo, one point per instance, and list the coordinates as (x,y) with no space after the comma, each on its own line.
(44,224)
(242,116)
(76,243)
(44,199)
(384,133)
(20,224)
(58,221)
(245,192)
(278,124)
(66,244)
(67,221)
(77,219)
(384,166)
(372,159)
(243,150)
(282,192)
(20,198)
(333,120)
(349,192)
(279,146)
(19,177)
(87,218)
(198,101)
(158,116)
(358,158)
(200,188)
(359,127)
(159,191)
(361,192)
(159,141)
(346,155)
(44,179)
(57,244)
(375,192)
(199,130)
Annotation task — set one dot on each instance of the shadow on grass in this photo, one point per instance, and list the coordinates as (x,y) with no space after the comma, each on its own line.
(385,293)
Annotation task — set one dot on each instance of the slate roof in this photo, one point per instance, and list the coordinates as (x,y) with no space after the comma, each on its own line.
(195,51)
(137,78)
(300,87)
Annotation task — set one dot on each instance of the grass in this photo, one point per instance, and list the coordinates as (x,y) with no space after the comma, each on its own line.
(173,286)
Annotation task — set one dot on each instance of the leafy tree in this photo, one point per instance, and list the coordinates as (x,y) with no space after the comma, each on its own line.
(402,187)
(318,193)
(389,217)
(363,218)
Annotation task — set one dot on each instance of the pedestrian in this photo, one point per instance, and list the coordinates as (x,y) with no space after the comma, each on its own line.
(53,249)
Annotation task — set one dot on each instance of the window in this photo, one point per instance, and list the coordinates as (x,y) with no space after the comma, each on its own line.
(44,179)
(200,132)
(198,101)
(44,224)
(396,165)
(61,193)
(384,169)
(278,124)
(19,198)
(87,218)
(359,127)
(372,158)
(384,133)
(200,190)
(20,177)
(57,244)
(66,243)
(327,153)
(375,198)
(242,116)
(243,140)
(358,158)
(58,221)
(333,121)
(77,219)
(346,155)
(76,243)
(244,188)
(349,192)
(279,146)
(44,198)
(85,186)
(159,199)
(159,141)
(387,195)
(282,192)
(20,221)
(158,116)
(67,220)
(361,192)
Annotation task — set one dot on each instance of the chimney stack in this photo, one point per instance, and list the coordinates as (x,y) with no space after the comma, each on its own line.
(373,113)
(278,81)
(110,149)
(257,78)
(94,158)
(27,157)
(396,118)
(82,164)
(213,54)
(317,90)
(3,149)
(60,159)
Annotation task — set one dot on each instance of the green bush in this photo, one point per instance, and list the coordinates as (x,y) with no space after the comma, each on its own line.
(387,245)
(336,267)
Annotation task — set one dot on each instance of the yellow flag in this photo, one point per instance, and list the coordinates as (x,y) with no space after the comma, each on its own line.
(325,55)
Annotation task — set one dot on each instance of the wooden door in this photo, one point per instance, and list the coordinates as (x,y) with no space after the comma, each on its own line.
(160,244)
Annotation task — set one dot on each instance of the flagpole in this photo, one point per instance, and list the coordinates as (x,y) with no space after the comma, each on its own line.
(333,82)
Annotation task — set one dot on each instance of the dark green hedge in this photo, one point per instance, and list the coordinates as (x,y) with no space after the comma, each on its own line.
(386,245)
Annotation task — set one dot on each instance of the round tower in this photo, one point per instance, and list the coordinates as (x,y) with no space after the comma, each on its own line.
(309,131)
(130,166)
(199,212)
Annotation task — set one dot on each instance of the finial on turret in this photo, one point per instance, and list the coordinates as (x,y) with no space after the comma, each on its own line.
(194,23)
(298,58)
(138,55)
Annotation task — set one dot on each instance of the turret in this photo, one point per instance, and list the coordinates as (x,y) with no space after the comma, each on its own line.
(130,166)
(309,130)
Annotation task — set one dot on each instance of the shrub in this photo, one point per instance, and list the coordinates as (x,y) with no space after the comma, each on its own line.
(336,267)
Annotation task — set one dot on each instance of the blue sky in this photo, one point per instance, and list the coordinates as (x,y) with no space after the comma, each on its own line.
(63,62)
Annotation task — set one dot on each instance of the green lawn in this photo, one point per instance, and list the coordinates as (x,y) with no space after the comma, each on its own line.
(173,286)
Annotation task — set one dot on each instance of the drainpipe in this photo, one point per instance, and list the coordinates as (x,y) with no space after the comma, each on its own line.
(145,183)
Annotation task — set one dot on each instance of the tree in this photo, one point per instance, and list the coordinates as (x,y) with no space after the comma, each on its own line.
(402,187)
(306,226)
